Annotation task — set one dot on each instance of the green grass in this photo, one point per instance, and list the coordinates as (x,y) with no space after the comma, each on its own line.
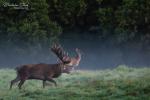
(121,83)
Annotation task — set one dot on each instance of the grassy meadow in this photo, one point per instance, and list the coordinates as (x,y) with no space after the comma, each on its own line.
(121,83)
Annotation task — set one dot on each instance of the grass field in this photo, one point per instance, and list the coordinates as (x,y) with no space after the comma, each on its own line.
(121,83)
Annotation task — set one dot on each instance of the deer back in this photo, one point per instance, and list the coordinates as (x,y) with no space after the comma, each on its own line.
(40,70)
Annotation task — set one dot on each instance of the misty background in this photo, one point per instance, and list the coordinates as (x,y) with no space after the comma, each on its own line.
(96,54)
(109,33)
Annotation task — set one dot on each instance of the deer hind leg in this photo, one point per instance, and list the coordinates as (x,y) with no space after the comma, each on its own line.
(51,80)
(14,81)
(22,80)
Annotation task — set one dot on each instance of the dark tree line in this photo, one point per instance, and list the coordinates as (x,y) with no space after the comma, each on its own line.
(121,20)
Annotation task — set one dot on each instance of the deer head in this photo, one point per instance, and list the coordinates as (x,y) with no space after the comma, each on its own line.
(69,62)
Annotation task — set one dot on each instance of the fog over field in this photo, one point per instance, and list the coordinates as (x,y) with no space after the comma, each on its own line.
(108,32)
(95,54)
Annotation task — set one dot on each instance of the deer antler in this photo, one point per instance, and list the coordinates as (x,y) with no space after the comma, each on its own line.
(63,56)
(78,57)
(60,53)
(75,60)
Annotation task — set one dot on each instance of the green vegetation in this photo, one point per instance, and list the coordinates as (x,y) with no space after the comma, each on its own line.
(121,83)
(122,20)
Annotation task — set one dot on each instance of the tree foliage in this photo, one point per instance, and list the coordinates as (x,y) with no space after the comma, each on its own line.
(122,20)
(21,26)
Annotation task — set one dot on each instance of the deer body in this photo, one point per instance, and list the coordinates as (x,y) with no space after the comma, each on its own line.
(40,70)
(45,72)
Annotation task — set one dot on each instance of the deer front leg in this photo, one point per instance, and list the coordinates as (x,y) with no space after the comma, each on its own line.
(51,80)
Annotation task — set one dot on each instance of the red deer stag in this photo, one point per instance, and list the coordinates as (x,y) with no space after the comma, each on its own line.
(46,72)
